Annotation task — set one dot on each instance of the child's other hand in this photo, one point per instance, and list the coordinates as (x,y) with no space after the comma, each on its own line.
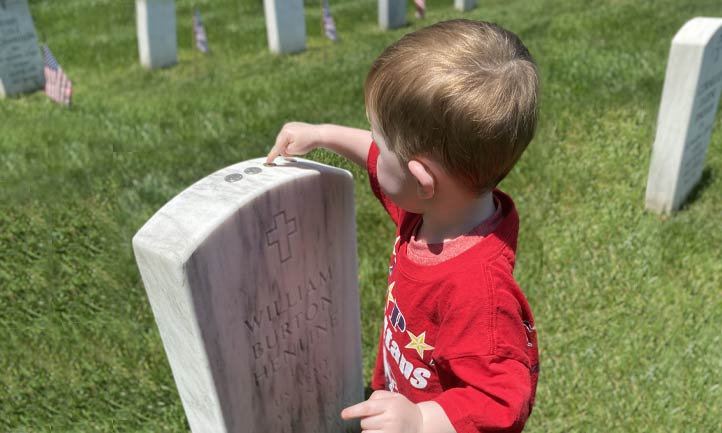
(295,138)
(386,412)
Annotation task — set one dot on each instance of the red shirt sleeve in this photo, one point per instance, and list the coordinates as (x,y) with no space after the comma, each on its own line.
(487,358)
(371,163)
(494,396)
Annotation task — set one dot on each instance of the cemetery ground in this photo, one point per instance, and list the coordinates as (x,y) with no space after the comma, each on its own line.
(627,303)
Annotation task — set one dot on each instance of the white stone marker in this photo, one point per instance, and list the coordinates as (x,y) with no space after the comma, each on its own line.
(392,14)
(252,277)
(21,63)
(285,25)
(686,114)
(464,5)
(157,40)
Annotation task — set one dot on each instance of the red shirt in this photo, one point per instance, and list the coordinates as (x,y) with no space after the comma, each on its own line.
(459,332)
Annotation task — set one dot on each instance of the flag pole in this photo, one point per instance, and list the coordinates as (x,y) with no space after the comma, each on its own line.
(196,56)
(323,34)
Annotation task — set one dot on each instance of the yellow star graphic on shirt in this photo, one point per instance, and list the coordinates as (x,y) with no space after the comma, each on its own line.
(418,343)
(390,295)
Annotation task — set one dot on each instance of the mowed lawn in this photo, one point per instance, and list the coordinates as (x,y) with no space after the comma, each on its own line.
(628,304)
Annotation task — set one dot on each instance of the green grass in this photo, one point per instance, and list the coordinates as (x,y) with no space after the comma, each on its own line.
(627,303)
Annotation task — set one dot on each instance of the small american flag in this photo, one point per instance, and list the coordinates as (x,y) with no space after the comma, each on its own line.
(328,25)
(420,8)
(57,85)
(200,33)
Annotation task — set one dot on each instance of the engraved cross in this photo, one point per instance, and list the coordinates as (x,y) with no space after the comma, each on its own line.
(280,235)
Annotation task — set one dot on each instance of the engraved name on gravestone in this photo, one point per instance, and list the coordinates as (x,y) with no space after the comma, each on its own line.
(686,115)
(285,25)
(21,64)
(252,277)
(156,26)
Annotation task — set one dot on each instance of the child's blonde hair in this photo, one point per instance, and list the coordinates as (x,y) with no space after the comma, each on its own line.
(462,92)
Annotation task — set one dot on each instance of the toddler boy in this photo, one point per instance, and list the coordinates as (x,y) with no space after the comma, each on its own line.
(452,107)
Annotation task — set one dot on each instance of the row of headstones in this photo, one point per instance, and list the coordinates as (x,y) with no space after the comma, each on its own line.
(285,26)
(687,111)
(21,63)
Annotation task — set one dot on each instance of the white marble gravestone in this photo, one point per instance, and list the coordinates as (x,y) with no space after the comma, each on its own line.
(157,40)
(464,5)
(252,277)
(21,64)
(686,114)
(285,25)
(392,14)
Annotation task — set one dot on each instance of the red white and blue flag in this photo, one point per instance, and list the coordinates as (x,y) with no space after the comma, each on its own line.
(200,33)
(57,85)
(420,8)
(328,24)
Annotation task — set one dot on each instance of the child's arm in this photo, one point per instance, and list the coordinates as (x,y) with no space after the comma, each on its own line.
(389,412)
(298,138)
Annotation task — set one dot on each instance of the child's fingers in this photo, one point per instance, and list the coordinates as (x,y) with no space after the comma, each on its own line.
(355,411)
(361,410)
(279,148)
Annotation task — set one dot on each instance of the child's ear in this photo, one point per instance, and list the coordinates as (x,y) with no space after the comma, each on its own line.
(425,182)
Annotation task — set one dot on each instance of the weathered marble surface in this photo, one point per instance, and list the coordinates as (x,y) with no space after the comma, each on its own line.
(252,277)
(285,25)
(21,63)
(392,14)
(464,5)
(686,115)
(156,26)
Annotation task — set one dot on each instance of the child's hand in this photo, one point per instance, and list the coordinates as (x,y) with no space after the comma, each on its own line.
(295,138)
(386,412)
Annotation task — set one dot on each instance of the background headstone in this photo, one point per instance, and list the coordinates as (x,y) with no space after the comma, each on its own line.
(157,40)
(21,64)
(392,14)
(285,25)
(686,115)
(464,5)
(252,277)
